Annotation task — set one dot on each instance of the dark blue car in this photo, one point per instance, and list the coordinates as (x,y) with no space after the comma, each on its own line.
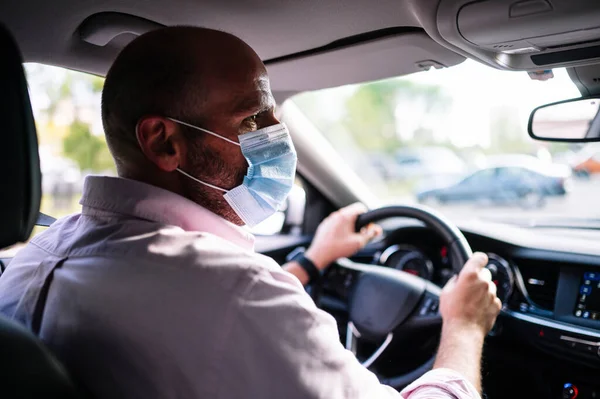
(525,184)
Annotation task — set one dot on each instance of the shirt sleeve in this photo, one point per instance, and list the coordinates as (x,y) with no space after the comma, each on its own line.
(288,348)
(440,384)
(283,346)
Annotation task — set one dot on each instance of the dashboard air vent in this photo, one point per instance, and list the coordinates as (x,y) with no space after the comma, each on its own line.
(541,281)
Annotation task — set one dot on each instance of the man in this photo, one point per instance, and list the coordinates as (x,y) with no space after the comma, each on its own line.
(154,290)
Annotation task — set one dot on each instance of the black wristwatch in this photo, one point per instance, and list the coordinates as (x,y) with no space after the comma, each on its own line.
(297,255)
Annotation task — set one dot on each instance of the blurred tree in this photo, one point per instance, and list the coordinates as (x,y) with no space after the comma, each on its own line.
(507,133)
(373,109)
(97,83)
(89,151)
(63,87)
(370,116)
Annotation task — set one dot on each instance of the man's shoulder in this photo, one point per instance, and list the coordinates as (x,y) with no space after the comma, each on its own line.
(149,242)
(201,249)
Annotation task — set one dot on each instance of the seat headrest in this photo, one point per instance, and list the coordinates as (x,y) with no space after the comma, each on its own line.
(20,176)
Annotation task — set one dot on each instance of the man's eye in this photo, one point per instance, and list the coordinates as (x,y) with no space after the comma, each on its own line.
(250,122)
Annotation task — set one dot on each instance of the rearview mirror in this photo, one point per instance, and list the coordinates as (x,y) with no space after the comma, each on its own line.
(575,120)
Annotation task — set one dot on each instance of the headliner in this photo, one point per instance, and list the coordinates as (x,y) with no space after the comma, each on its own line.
(47,32)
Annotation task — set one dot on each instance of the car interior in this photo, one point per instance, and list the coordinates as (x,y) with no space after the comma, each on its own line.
(546,341)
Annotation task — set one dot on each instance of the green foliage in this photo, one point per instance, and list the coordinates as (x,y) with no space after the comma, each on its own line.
(89,151)
(372,111)
(370,117)
(96,83)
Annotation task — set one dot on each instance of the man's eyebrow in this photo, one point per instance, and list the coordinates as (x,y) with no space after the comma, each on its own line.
(256,104)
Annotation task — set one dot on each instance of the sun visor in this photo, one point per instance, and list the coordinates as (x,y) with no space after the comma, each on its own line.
(391,56)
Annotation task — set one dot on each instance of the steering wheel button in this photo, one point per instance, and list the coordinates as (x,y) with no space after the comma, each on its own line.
(434,307)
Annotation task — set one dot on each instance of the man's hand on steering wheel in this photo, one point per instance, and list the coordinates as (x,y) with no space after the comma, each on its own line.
(336,236)
(469,307)
(383,302)
(469,300)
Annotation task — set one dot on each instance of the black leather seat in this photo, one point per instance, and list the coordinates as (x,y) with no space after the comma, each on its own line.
(27,368)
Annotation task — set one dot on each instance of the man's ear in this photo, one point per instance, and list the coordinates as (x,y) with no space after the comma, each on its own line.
(160,142)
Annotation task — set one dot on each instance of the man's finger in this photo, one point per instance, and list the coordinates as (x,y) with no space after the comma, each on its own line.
(354,209)
(493,289)
(368,233)
(372,230)
(451,283)
(477,262)
(486,275)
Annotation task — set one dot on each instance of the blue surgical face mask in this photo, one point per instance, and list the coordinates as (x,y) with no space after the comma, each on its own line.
(271,160)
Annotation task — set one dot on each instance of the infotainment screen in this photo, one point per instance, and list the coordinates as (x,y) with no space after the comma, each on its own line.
(588,300)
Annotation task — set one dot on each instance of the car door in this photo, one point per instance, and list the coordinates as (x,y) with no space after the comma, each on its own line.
(476,187)
(515,182)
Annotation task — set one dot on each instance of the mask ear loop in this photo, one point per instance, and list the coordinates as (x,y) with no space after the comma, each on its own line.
(137,125)
(205,131)
(201,182)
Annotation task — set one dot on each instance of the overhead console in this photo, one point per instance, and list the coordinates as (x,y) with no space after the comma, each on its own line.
(524,34)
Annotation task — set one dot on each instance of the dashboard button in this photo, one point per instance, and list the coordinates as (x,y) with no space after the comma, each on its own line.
(571,344)
(433,308)
(590,349)
(570,391)
(585,290)
(523,307)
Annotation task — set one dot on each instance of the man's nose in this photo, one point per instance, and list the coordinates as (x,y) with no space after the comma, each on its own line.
(271,120)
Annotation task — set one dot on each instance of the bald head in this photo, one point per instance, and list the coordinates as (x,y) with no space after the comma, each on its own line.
(180,72)
(202,77)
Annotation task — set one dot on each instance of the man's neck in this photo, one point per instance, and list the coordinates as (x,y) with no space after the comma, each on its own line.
(205,197)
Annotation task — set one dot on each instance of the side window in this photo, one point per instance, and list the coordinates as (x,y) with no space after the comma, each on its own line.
(66,107)
(516,175)
(484,176)
(506,174)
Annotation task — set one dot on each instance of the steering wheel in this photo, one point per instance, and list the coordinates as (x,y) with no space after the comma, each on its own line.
(384,302)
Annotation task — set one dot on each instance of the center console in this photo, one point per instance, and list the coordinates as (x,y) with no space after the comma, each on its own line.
(578,297)
(568,331)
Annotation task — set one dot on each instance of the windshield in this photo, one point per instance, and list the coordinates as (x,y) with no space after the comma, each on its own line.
(456,139)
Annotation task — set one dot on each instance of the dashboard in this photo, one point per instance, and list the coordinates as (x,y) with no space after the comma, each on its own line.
(543,342)
(547,335)
(551,296)
(417,261)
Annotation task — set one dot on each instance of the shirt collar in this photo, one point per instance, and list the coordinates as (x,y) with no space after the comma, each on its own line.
(141,200)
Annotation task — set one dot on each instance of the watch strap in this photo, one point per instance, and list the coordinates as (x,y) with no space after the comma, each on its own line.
(309,267)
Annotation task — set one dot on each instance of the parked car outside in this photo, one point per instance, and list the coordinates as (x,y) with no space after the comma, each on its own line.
(526,184)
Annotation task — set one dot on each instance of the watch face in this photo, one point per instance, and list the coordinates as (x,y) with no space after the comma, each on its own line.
(295,254)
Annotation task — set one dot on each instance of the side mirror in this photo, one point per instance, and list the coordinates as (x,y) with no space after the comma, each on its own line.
(574,120)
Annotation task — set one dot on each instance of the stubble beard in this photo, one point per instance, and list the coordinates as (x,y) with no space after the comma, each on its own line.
(208,167)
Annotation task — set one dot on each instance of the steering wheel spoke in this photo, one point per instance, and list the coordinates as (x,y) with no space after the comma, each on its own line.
(427,312)
(352,336)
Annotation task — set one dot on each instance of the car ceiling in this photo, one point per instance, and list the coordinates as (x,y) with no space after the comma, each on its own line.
(315,44)
(49,32)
